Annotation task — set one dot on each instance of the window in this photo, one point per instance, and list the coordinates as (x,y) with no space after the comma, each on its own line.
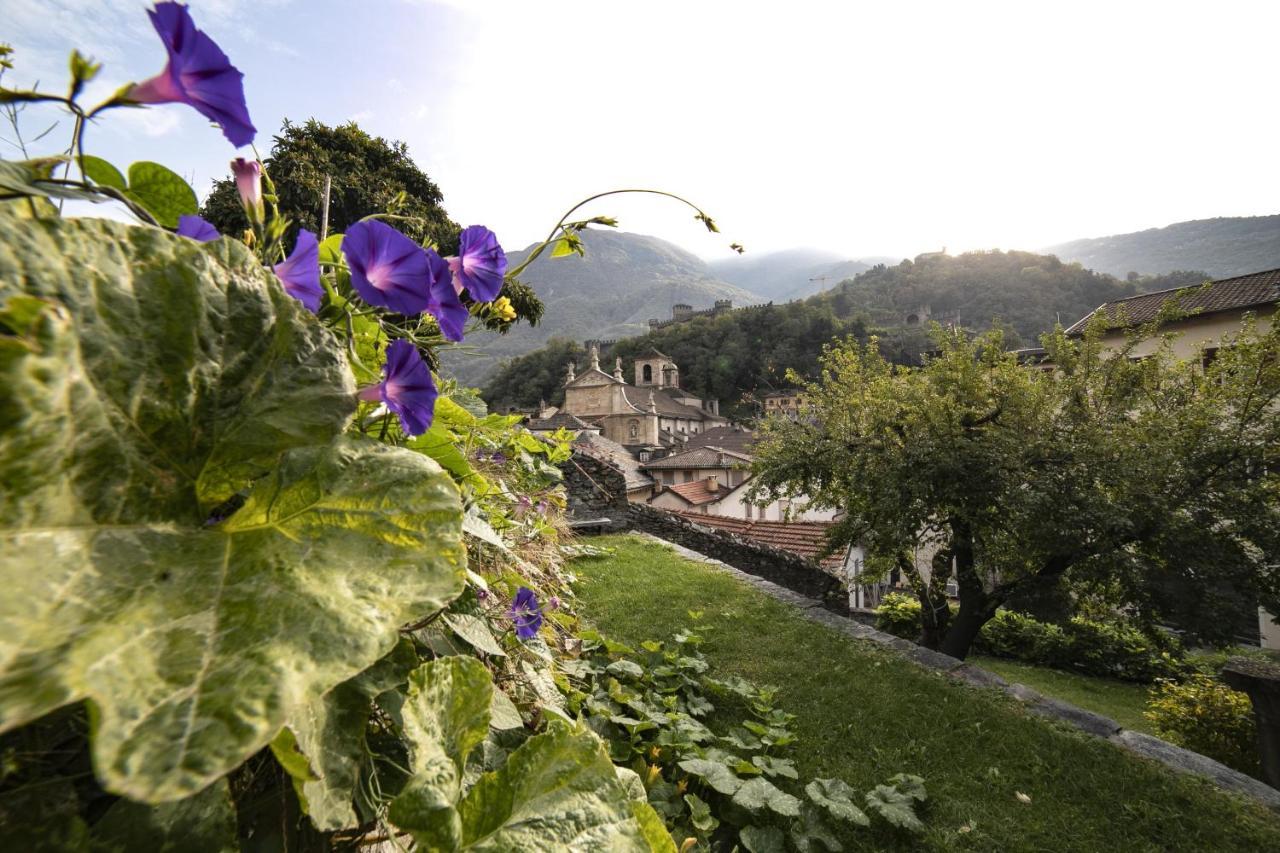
(746,508)
(1208,356)
(648,373)
(644,455)
(633,428)
(669,477)
(688,476)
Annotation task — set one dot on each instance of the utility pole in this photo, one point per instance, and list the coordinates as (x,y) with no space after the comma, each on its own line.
(324,214)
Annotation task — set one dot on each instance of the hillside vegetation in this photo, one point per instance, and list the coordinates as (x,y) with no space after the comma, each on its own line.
(622,281)
(734,356)
(1223,247)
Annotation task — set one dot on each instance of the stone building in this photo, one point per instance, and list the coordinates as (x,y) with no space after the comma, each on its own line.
(648,417)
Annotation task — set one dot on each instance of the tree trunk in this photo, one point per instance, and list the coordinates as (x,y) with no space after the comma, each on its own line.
(976,605)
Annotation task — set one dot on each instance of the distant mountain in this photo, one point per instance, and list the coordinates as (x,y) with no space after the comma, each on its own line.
(623,281)
(790,274)
(1223,247)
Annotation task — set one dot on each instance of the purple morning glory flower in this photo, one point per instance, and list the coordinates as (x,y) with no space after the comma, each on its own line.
(480,264)
(407,388)
(387,268)
(300,272)
(526,614)
(198,74)
(499,458)
(482,594)
(444,304)
(197,228)
(553,603)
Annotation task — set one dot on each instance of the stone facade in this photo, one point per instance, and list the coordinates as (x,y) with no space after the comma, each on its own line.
(653,415)
(595,490)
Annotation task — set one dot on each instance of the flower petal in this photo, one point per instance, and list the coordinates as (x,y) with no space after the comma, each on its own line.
(387,268)
(408,388)
(197,228)
(481,263)
(300,272)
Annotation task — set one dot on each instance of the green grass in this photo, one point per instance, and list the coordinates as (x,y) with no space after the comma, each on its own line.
(864,715)
(1122,701)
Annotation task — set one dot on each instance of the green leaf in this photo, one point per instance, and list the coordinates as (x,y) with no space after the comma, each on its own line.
(895,807)
(784,767)
(33,178)
(557,791)
(700,816)
(177,375)
(763,839)
(324,746)
(758,794)
(102,173)
(475,630)
(503,713)
(163,192)
(812,834)
(629,670)
(716,775)
(654,832)
(911,785)
(836,798)
(445,717)
(202,823)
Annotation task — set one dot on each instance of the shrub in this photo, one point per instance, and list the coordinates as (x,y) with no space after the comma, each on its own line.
(899,614)
(1110,649)
(1208,717)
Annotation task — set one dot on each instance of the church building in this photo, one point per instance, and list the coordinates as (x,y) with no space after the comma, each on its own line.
(652,415)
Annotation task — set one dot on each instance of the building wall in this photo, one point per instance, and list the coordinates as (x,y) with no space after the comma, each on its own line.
(1194,333)
(735,505)
(726,477)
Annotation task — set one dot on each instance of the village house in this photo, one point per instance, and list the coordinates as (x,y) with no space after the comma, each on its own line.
(785,403)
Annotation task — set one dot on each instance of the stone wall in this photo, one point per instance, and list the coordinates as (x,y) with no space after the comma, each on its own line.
(595,489)
(781,567)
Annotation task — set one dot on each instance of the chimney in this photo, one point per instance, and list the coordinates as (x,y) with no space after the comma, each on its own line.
(713,485)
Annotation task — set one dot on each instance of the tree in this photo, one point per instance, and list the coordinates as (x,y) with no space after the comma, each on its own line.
(1149,483)
(368,173)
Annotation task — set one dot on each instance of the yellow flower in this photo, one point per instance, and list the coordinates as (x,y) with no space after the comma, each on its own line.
(503,309)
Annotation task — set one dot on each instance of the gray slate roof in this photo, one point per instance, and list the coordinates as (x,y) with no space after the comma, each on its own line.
(1226,294)
(606,450)
(699,457)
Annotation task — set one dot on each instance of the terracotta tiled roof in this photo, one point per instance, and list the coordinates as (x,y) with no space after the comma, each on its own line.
(696,492)
(700,457)
(806,538)
(732,438)
(1226,294)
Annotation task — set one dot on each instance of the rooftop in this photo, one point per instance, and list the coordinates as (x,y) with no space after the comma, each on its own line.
(732,438)
(598,447)
(560,420)
(804,538)
(696,492)
(700,457)
(1226,294)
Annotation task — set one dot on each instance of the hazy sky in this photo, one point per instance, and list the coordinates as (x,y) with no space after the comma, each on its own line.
(883,128)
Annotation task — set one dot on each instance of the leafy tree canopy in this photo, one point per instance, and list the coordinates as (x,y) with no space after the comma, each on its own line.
(368,174)
(1149,483)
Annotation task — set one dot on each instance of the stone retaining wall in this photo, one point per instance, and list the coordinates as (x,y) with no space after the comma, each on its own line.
(780,567)
(595,489)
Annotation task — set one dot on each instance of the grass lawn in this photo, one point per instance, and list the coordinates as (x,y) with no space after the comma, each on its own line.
(1122,701)
(864,714)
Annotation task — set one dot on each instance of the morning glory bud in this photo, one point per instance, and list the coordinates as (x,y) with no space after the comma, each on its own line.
(248,175)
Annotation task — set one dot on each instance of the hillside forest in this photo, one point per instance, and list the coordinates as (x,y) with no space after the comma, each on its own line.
(734,357)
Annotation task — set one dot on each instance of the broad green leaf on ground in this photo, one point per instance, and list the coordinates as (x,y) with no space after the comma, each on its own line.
(895,807)
(759,793)
(102,173)
(446,715)
(198,370)
(812,834)
(763,839)
(776,766)
(503,713)
(324,745)
(475,630)
(715,774)
(162,192)
(836,798)
(911,785)
(204,823)
(558,791)
(163,377)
